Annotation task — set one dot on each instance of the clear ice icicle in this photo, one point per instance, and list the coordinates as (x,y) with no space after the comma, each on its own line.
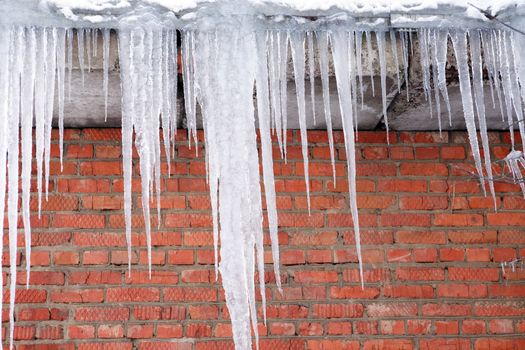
(380,36)
(440,47)
(339,50)
(368,38)
(263,113)
(15,52)
(393,43)
(297,45)
(322,42)
(81,53)
(479,99)
(459,41)
(4,132)
(26,121)
(61,72)
(311,68)
(105,69)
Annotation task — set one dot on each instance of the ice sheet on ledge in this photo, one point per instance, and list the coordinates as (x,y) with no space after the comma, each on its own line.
(109,12)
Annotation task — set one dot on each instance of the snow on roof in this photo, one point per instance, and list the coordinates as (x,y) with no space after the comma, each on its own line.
(110,11)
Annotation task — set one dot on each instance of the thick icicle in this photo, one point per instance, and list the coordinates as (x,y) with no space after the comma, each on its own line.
(15,52)
(322,42)
(433,53)
(340,49)
(479,99)
(297,45)
(4,132)
(263,113)
(282,54)
(26,119)
(127,77)
(233,129)
(459,41)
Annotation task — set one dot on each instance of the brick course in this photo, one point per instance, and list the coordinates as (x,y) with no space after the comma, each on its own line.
(432,245)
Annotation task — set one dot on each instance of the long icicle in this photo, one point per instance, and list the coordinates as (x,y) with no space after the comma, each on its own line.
(339,50)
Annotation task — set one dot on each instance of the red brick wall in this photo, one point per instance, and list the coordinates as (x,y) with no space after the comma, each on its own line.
(432,247)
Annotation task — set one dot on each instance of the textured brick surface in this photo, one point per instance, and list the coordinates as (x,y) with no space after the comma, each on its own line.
(432,248)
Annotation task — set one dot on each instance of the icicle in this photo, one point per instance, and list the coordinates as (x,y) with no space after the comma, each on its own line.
(232,129)
(297,45)
(311,66)
(128,105)
(369,56)
(513,59)
(491,45)
(50,66)
(425,66)
(61,72)
(431,40)
(173,87)
(504,70)
(156,108)
(94,36)
(4,132)
(340,49)
(105,54)
(69,35)
(275,88)
(359,63)
(353,77)
(514,160)
(479,98)
(393,43)
(404,48)
(263,113)
(40,109)
(380,36)
(80,46)
(459,41)
(15,53)
(440,47)
(282,42)
(143,52)
(88,42)
(26,117)
(189,94)
(322,42)
(488,63)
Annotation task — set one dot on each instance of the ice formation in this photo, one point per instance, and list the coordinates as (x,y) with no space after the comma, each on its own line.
(38,63)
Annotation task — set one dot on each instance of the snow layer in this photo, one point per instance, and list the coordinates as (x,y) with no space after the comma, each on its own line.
(110,11)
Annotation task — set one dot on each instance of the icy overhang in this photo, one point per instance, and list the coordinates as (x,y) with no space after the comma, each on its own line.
(400,13)
(87,106)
